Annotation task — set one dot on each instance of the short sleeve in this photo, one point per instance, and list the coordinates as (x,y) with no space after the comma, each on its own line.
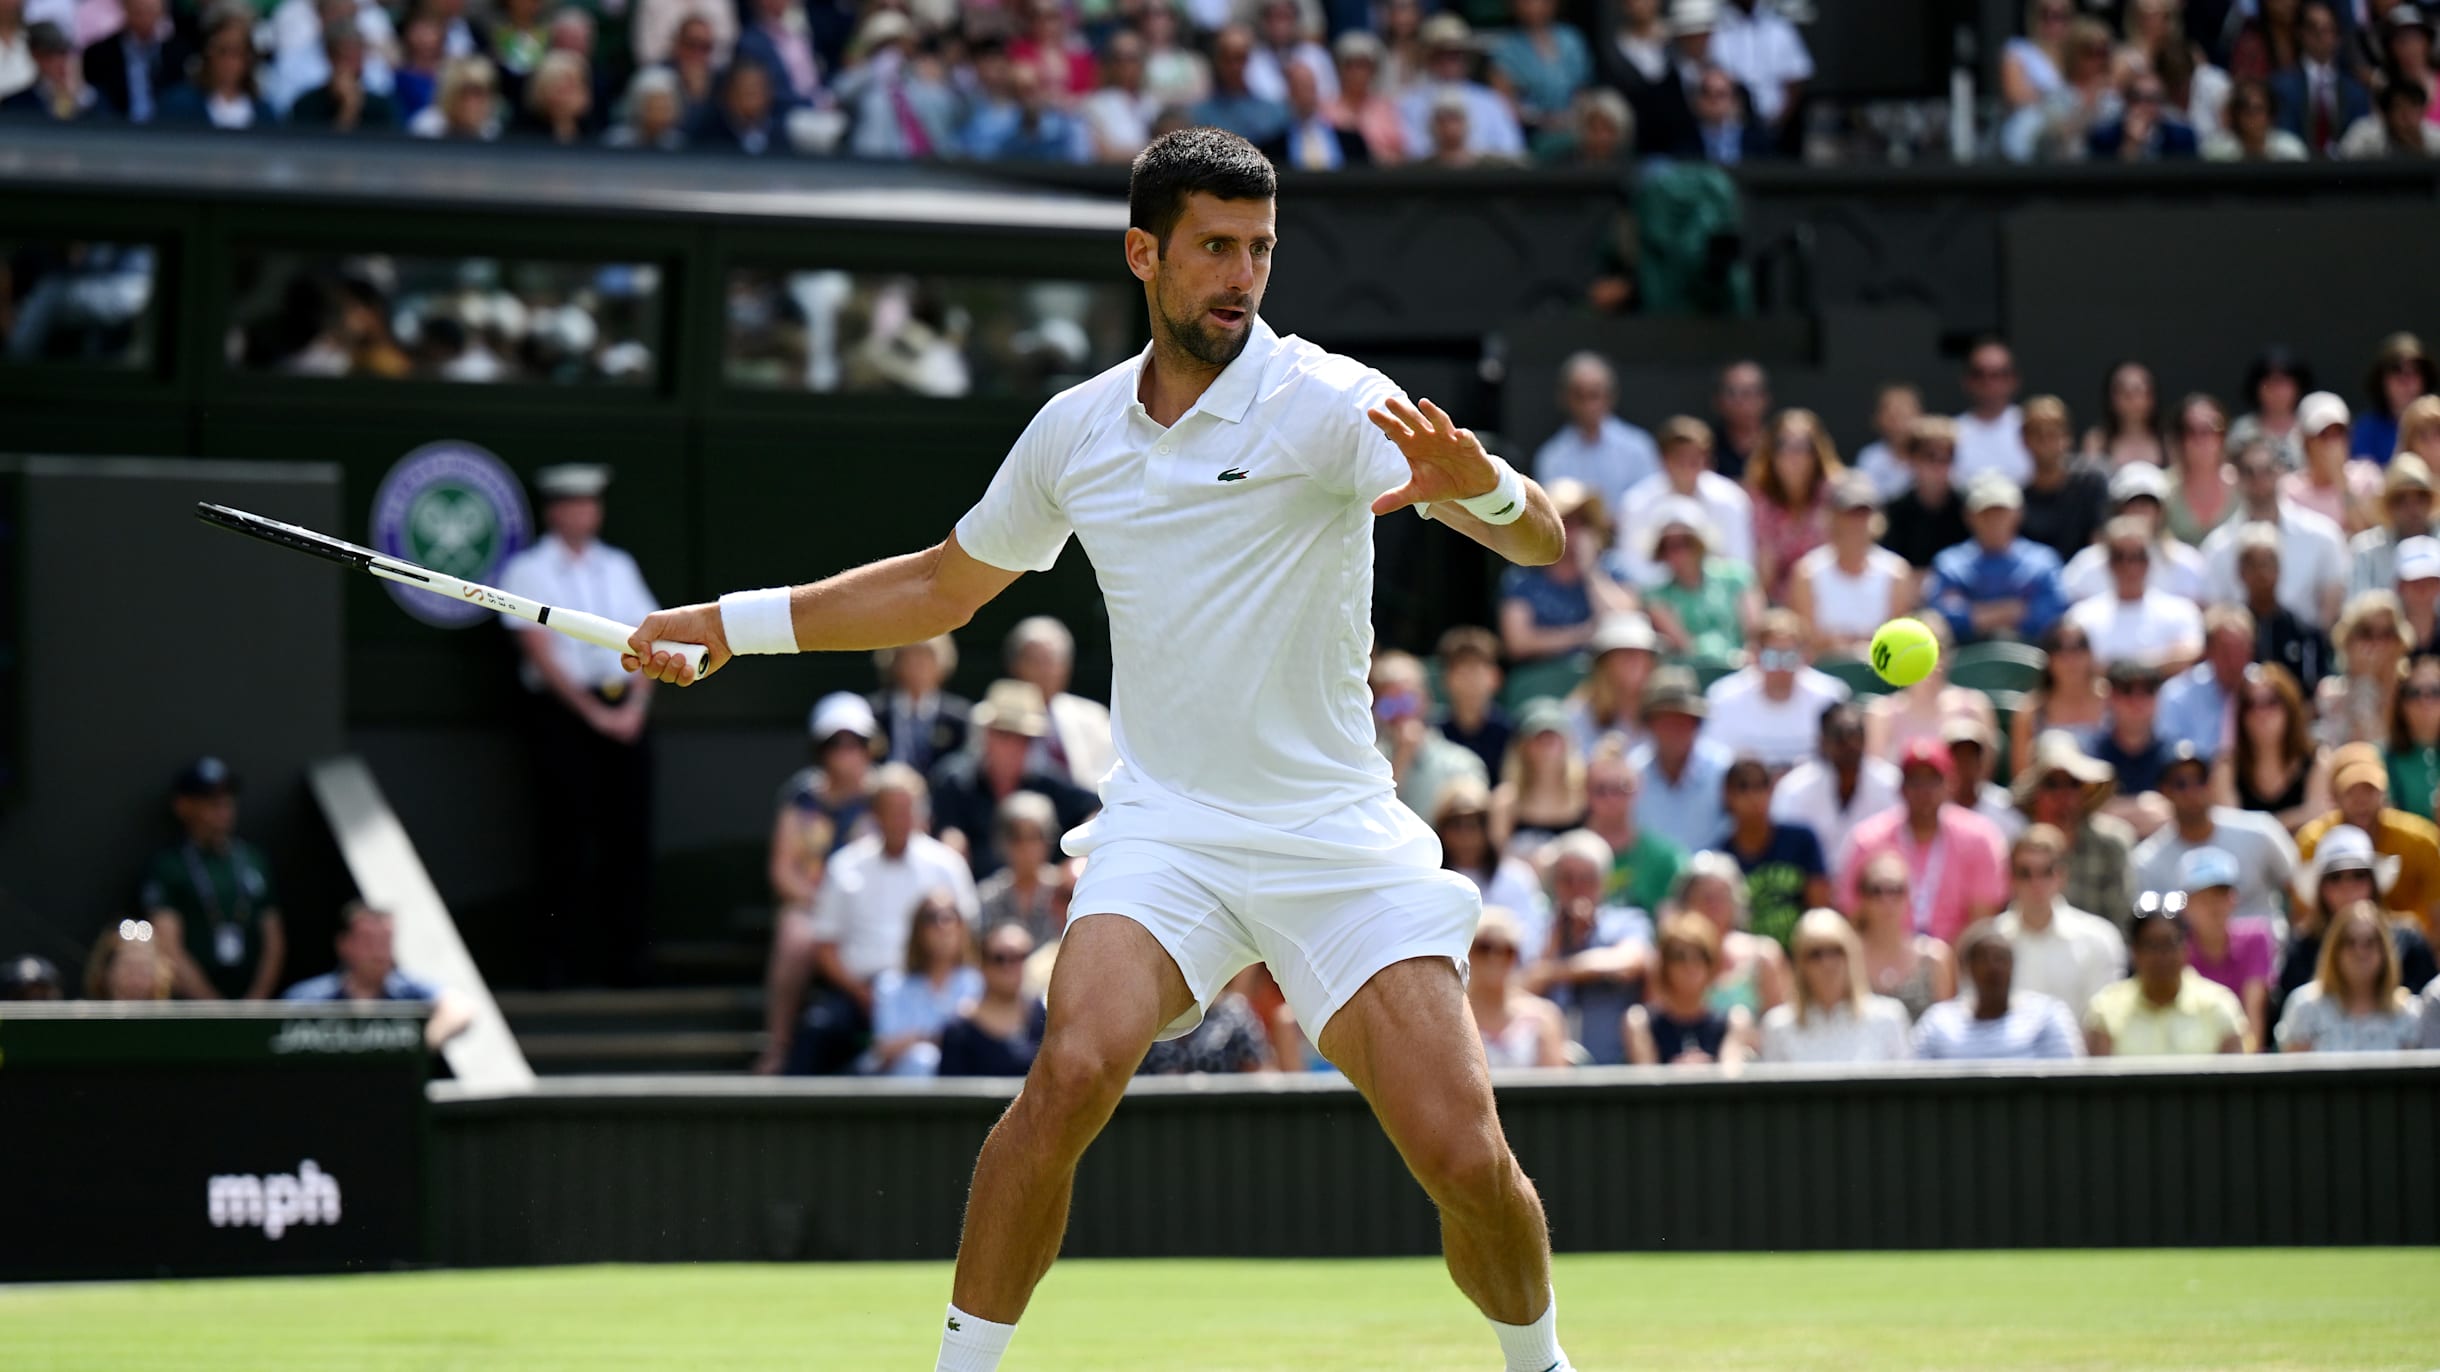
(1018,526)
(1354,457)
(830,906)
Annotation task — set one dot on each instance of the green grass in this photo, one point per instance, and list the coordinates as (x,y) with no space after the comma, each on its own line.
(2307,1310)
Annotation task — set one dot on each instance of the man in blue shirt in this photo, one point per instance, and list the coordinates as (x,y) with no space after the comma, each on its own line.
(368,970)
(1597,448)
(1232,105)
(1682,798)
(1996,586)
(2194,706)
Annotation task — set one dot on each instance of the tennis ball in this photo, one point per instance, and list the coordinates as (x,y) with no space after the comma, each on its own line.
(1904,652)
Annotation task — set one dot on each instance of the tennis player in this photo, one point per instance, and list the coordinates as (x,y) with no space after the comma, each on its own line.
(1224,483)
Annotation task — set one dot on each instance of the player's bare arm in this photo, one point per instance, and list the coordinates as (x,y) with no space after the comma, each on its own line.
(1450,464)
(885,604)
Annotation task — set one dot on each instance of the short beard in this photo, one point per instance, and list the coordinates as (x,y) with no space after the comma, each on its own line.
(1199,340)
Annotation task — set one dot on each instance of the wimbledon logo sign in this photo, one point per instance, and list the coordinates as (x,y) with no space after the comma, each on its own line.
(457,509)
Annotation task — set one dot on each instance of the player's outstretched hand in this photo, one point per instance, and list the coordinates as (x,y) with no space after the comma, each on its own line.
(688,624)
(1446,462)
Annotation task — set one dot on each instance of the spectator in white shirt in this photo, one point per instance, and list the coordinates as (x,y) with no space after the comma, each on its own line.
(2061,951)
(1606,453)
(1280,28)
(1757,45)
(1894,412)
(1685,471)
(2133,621)
(1491,124)
(586,730)
(1834,1016)
(2140,490)
(1118,117)
(861,918)
(1041,651)
(1773,709)
(1846,589)
(1991,432)
(1989,1020)
(2312,551)
(1831,792)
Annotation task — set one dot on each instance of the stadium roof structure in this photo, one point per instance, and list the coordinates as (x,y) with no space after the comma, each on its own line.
(271,167)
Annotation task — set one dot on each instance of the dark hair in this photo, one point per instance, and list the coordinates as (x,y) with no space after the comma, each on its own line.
(2276,360)
(1468,640)
(1839,709)
(2398,347)
(2158,907)
(1747,769)
(1206,160)
(2403,88)
(2109,403)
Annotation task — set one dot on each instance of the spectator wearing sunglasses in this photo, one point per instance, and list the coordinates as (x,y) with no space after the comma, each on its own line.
(1970,748)
(2359,784)
(2131,744)
(2166,1009)
(1995,585)
(2132,621)
(2414,739)
(911,1006)
(1784,871)
(2196,707)
(2406,513)
(2275,768)
(2280,636)
(2060,786)
(2142,492)
(1834,1016)
(1991,429)
(2373,641)
(1956,861)
(2266,858)
(1467,848)
(2344,871)
(2401,373)
(999,1031)
(2312,564)
(2061,951)
(1518,1028)
(1915,970)
(1677,1025)
(2355,1002)
(1993,1020)
(1772,710)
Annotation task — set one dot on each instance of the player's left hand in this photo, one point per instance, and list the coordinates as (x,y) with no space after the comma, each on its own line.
(1447,462)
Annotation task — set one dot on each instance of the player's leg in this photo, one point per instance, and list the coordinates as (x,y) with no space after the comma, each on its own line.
(1113,990)
(1409,1044)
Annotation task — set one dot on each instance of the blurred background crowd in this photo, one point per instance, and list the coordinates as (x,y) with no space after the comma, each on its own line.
(1320,84)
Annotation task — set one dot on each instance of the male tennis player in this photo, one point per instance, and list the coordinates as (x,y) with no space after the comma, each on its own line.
(1224,483)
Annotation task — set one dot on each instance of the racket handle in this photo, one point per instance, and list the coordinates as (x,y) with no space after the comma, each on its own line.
(695,654)
(609,633)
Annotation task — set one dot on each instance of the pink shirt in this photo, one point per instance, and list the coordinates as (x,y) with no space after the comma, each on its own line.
(1969,853)
(2252,951)
(1788,536)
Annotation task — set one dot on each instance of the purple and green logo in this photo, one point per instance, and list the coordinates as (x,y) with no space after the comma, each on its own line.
(457,509)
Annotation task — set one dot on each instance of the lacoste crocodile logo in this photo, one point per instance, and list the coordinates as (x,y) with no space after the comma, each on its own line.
(1233,474)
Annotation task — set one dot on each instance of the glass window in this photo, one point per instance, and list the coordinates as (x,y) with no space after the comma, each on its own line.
(890,333)
(71,300)
(478,320)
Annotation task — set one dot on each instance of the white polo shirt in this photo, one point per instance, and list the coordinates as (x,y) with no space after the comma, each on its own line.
(1809,796)
(868,899)
(1747,722)
(2312,556)
(600,580)
(1235,552)
(1731,511)
(2158,628)
(2069,961)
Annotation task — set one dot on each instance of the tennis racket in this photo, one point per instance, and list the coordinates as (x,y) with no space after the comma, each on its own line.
(576,624)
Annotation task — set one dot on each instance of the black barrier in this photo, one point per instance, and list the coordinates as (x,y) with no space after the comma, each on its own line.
(169,1139)
(2332,1151)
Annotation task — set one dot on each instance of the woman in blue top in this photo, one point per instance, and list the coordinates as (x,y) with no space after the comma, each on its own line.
(1542,63)
(1549,612)
(912,1007)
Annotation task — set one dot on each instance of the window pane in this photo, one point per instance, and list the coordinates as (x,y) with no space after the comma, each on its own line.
(479,320)
(70,300)
(879,332)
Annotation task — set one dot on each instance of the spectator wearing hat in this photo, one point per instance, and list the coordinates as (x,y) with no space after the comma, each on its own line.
(2237,953)
(58,91)
(211,897)
(2418,572)
(1361,107)
(1830,792)
(1541,780)
(2058,785)
(1996,585)
(1755,44)
(1078,746)
(1991,429)
(1772,709)
(1846,589)
(1956,860)
(1605,704)
(2133,621)
(1550,612)
(921,724)
(1990,1019)
(2061,951)
(2312,551)
(903,107)
(1832,1014)
(1596,447)
(1785,873)
(591,754)
(2197,706)
(1929,517)
(1596,960)
(1682,772)
(2140,492)
(1470,715)
(368,971)
(2401,373)
(2359,784)
(968,788)
(2344,872)
(1703,605)
(2356,1001)
(1643,865)
(2265,856)
(2406,512)
(822,808)
(2399,125)
(1032,887)
(2064,498)
(2166,1009)
(1470,847)
(1422,761)
(1449,53)
(2347,493)
(1972,745)
(1685,475)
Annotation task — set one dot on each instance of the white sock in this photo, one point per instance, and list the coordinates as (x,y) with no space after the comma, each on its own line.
(1533,1347)
(970,1343)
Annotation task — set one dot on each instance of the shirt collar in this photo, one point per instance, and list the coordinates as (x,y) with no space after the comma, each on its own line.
(1232,392)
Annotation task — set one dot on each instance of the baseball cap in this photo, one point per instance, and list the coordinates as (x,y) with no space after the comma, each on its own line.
(2205,868)
(2349,849)
(1541,715)
(1966,729)
(1672,691)
(2419,558)
(1854,491)
(843,712)
(2319,411)
(2408,17)
(1359,45)
(1992,490)
(2407,472)
(1013,707)
(572,481)
(1927,752)
(1631,631)
(44,38)
(2137,481)
(1693,16)
(1445,30)
(2357,764)
(205,776)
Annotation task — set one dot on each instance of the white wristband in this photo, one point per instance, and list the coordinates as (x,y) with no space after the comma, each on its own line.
(758,621)
(1503,503)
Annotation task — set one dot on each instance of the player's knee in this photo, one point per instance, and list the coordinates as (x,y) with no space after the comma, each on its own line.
(1075,1075)
(1467,1171)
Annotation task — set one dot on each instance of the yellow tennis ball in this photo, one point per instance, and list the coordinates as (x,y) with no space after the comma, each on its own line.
(1904,651)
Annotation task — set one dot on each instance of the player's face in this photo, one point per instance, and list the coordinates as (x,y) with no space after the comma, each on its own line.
(1205,283)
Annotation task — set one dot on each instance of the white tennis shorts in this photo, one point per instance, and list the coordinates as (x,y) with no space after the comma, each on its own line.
(1324,906)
